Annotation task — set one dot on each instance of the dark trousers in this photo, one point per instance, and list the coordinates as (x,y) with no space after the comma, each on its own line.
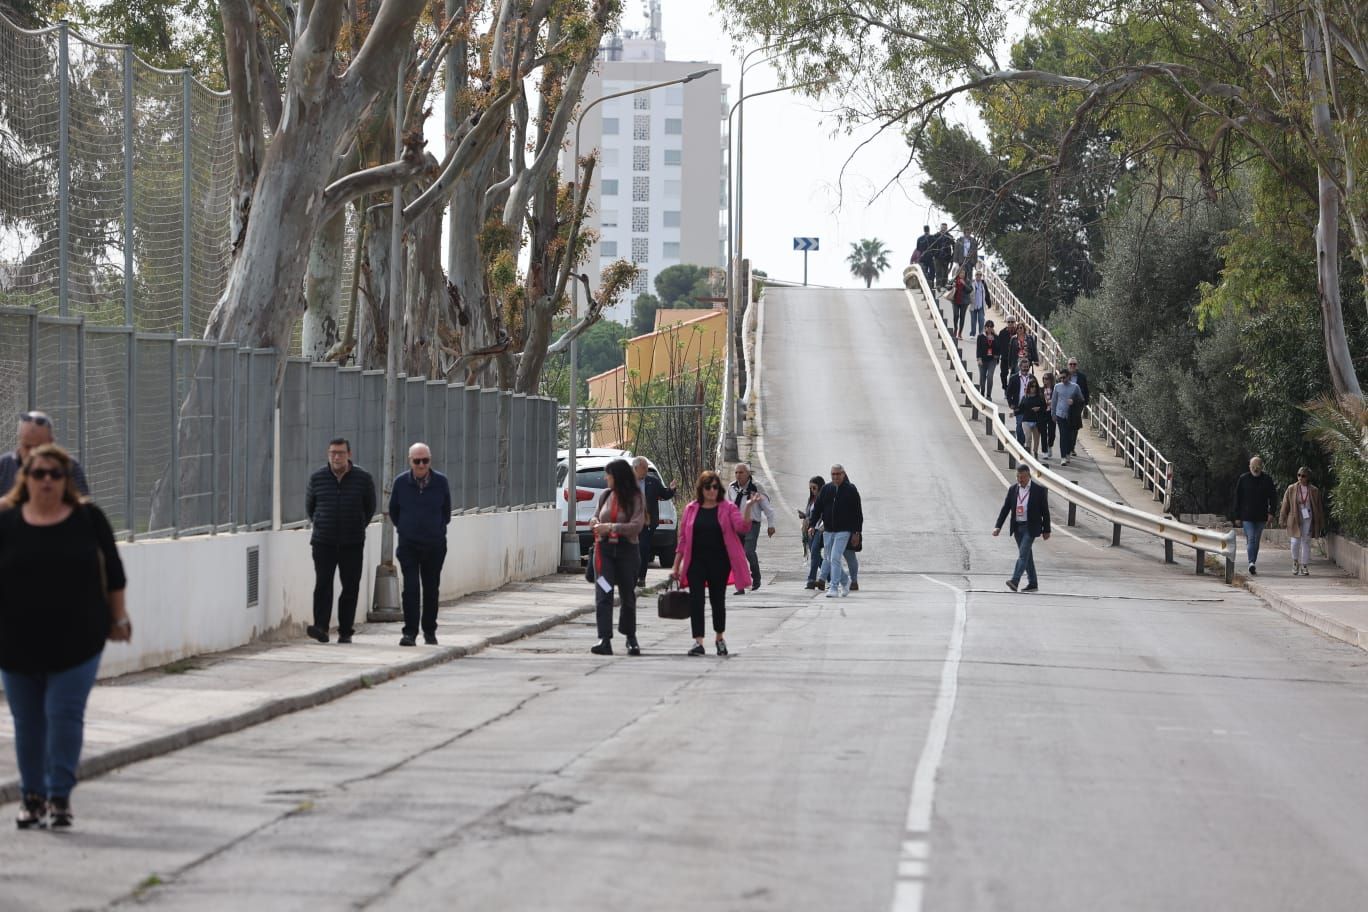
(644,551)
(1047,434)
(708,578)
(1067,437)
(620,569)
(928,268)
(987,367)
(422,566)
(1025,557)
(942,272)
(752,539)
(960,310)
(345,561)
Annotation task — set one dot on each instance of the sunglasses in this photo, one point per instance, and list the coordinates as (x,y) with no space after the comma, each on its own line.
(1302,475)
(44,474)
(420,460)
(36,418)
(712,486)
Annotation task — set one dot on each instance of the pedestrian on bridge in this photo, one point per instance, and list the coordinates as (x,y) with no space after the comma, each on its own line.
(752,502)
(1304,517)
(1003,349)
(966,255)
(616,525)
(420,508)
(340,502)
(959,305)
(1047,430)
(843,520)
(943,251)
(1031,410)
(1016,390)
(1067,397)
(1028,505)
(1256,501)
(979,302)
(986,352)
(710,550)
(923,257)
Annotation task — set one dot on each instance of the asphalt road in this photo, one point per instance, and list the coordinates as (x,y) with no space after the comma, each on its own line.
(1132,737)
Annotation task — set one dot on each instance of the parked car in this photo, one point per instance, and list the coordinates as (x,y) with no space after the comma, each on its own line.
(589,484)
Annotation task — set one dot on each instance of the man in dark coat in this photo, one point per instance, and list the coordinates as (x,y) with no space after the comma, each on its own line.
(943,250)
(420,508)
(924,258)
(842,515)
(1028,505)
(654,491)
(1003,349)
(35,429)
(1256,503)
(1081,379)
(340,503)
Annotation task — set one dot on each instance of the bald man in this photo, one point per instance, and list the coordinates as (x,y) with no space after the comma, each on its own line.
(35,429)
(420,508)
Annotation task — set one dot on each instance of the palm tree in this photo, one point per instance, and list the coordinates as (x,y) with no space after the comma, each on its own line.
(868,259)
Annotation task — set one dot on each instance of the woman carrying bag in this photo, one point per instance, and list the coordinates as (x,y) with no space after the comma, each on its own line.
(616,523)
(1303,515)
(710,548)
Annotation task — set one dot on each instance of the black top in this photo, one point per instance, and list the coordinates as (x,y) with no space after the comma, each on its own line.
(655,493)
(9,471)
(1256,498)
(840,508)
(421,513)
(987,346)
(1037,510)
(1082,380)
(53,612)
(707,533)
(1032,408)
(340,509)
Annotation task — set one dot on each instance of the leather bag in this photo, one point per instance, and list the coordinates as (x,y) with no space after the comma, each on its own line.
(673,604)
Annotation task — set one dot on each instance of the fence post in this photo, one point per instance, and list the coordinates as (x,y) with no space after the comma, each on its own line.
(175,447)
(214,354)
(128,182)
(63,167)
(81,391)
(187,82)
(1073,513)
(1201,562)
(130,435)
(1168,551)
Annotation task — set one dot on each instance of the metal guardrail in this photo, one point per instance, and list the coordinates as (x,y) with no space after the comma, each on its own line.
(1143,458)
(1120,516)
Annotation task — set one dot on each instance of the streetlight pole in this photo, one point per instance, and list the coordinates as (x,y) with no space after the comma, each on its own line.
(570,553)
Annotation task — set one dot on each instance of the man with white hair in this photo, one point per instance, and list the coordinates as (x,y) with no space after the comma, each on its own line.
(653,491)
(746,494)
(35,429)
(420,508)
(1256,503)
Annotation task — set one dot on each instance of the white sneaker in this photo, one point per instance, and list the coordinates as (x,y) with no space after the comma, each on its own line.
(1296,568)
(833,592)
(1063,462)
(845,590)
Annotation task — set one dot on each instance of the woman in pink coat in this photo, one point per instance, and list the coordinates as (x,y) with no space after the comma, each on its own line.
(710,549)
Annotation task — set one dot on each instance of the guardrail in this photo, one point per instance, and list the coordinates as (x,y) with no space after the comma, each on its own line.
(1143,458)
(1203,541)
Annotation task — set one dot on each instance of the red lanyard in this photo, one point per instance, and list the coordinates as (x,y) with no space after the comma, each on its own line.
(612,537)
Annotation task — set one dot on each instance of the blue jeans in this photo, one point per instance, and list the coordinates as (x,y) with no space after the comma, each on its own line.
(1025,559)
(814,556)
(853,562)
(49,723)
(1253,534)
(976,318)
(834,545)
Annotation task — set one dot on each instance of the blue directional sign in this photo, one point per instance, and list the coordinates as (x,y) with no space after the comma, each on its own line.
(806,244)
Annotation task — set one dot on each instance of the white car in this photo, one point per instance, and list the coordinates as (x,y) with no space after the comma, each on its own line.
(589,484)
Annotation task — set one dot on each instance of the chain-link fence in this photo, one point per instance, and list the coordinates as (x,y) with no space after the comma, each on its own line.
(178,437)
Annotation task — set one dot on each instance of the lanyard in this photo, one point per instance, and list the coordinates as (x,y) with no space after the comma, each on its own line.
(1023,498)
(598,551)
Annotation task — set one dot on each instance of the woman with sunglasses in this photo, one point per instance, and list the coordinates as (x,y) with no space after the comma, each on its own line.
(1033,414)
(616,524)
(710,548)
(61,597)
(1303,516)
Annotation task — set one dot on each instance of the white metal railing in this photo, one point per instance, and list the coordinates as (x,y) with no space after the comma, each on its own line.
(1143,458)
(1119,515)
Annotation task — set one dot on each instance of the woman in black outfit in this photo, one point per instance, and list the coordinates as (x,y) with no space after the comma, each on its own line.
(616,560)
(61,597)
(710,549)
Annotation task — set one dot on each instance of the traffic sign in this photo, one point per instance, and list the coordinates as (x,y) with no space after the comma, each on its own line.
(806,244)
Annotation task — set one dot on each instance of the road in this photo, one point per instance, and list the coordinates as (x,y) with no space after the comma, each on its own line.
(1132,737)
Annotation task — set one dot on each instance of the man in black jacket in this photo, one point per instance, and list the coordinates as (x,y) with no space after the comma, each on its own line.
(1081,379)
(654,491)
(1003,349)
(842,521)
(340,503)
(924,258)
(942,250)
(1256,503)
(420,508)
(1028,505)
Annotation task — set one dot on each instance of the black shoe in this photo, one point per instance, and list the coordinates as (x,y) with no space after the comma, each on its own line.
(602,648)
(430,639)
(755,585)
(1012,584)
(854,586)
(739,592)
(633,647)
(821,585)
(698,650)
(344,637)
(32,812)
(721,646)
(811,584)
(318,633)
(59,814)
(1253,571)
(407,640)
(641,581)
(1031,588)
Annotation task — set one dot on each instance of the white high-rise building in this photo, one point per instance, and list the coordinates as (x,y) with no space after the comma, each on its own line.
(657,197)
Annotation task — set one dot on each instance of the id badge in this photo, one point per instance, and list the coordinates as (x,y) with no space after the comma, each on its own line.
(1306,512)
(1021,512)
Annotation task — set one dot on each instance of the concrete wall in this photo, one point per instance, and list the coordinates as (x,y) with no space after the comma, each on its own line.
(189,596)
(1352,558)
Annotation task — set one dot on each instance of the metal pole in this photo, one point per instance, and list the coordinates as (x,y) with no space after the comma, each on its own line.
(186,189)
(130,435)
(805,253)
(63,169)
(175,446)
(385,604)
(128,182)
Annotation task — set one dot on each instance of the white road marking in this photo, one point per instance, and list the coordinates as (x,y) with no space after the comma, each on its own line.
(777,492)
(914,859)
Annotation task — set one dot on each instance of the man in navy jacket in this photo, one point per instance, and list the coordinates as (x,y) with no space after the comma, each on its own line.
(1029,507)
(420,508)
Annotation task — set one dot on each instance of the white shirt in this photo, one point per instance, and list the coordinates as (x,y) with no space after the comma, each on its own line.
(980,294)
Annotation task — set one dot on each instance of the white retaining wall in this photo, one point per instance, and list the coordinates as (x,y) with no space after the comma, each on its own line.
(189,596)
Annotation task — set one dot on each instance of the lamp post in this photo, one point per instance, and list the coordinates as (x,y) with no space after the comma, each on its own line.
(570,553)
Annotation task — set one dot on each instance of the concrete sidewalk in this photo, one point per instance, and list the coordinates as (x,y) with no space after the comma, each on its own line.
(142,715)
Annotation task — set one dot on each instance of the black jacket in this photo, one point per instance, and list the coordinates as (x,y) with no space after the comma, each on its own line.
(420,515)
(942,246)
(1256,498)
(340,510)
(984,341)
(1004,339)
(1032,409)
(1016,388)
(839,507)
(655,493)
(1082,380)
(924,243)
(1037,510)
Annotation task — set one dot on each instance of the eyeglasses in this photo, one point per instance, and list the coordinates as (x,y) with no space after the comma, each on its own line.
(420,460)
(37,418)
(44,474)
(712,486)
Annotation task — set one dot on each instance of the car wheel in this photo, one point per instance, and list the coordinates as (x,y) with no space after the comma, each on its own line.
(666,557)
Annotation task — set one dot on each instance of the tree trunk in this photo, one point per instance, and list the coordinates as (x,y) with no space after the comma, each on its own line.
(322,289)
(425,294)
(372,336)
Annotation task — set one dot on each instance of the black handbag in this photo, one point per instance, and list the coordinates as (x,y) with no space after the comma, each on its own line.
(673,603)
(856,545)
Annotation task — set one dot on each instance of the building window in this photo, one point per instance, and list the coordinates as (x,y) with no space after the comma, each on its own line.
(641,219)
(674,156)
(673,189)
(641,249)
(641,284)
(608,249)
(641,158)
(642,101)
(670,250)
(610,188)
(672,218)
(641,127)
(610,158)
(641,189)
(674,96)
(674,126)
(608,218)
(610,126)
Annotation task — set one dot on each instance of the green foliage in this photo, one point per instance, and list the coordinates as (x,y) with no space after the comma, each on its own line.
(1341,428)
(867,260)
(682,285)
(644,312)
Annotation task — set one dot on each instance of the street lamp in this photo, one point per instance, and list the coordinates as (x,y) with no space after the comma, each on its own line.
(570,553)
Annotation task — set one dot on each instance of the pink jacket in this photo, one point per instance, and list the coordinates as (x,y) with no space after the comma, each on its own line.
(734,525)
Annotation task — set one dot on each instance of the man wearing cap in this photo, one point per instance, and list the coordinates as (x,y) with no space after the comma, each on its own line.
(35,429)
(987,358)
(1028,505)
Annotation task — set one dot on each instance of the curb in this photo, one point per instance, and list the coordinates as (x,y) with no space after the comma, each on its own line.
(1283,605)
